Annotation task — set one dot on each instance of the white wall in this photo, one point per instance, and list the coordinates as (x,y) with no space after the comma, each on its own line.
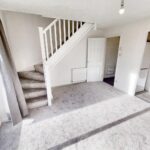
(131,51)
(22,30)
(112,46)
(146,57)
(61,74)
(4,109)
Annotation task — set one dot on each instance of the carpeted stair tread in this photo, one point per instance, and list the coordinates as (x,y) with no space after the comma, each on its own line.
(31,75)
(37,102)
(29,84)
(34,93)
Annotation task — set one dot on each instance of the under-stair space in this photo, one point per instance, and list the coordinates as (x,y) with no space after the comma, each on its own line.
(33,84)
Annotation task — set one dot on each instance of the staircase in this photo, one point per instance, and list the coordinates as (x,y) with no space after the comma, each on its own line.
(33,84)
(56,40)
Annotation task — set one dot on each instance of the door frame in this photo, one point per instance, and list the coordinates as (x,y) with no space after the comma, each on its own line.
(118,54)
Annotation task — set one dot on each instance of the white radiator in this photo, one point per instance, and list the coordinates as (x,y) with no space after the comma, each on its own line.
(78,75)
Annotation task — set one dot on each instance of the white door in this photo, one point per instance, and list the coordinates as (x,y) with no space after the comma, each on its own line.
(96,59)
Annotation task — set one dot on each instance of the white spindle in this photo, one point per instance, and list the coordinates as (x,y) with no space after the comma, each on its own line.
(42,43)
(46,45)
(51,42)
(68,28)
(55,36)
(77,25)
(64,30)
(80,24)
(60,40)
(73,27)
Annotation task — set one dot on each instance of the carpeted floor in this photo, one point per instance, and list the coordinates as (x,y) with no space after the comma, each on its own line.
(76,96)
(144,96)
(115,122)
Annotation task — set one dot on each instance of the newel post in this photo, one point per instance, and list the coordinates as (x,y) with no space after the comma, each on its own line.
(46,68)
(41,35)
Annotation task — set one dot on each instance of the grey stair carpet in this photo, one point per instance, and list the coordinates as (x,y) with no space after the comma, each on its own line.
(37,102)
(39,68)
(33,85)
(30,84)
(33,93)
(33,75)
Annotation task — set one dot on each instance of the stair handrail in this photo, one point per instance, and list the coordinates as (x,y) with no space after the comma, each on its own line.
(55,35)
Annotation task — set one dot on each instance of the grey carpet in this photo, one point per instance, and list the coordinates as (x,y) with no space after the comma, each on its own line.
(144,96)
(115,122)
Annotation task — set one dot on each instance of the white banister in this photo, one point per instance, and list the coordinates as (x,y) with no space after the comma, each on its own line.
(50,25)
(72,27)
(60,40)
(42,44)
(80,24)
(64,24)
(68,29)
(77,25)
(55,36)
(59,31)
(51,42)
(46,45)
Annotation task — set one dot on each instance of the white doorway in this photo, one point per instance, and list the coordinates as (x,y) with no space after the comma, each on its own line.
(96,59)
(112,48)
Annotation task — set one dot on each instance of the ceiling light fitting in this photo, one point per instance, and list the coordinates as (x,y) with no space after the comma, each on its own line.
(122,8)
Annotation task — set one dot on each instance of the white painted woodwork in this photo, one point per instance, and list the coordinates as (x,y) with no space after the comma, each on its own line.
(64,25)
(68,28)
(96,59)
(60,40)
(49,45)
(51,42)
(42,43)
(77,24)
(55,36)
(73,27)
(46,45)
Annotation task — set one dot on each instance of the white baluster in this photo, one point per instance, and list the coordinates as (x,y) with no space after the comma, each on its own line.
(42,44)
(46,45)
(68,29)
(64,30)
(55,36)
(60,40)
(51,42)
(77,25)
(72,27)
(80,24)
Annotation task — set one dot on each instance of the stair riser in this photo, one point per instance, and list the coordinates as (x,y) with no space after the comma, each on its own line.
(39,69)
(32,77)
(37,104)
(34,86)
(35,94)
